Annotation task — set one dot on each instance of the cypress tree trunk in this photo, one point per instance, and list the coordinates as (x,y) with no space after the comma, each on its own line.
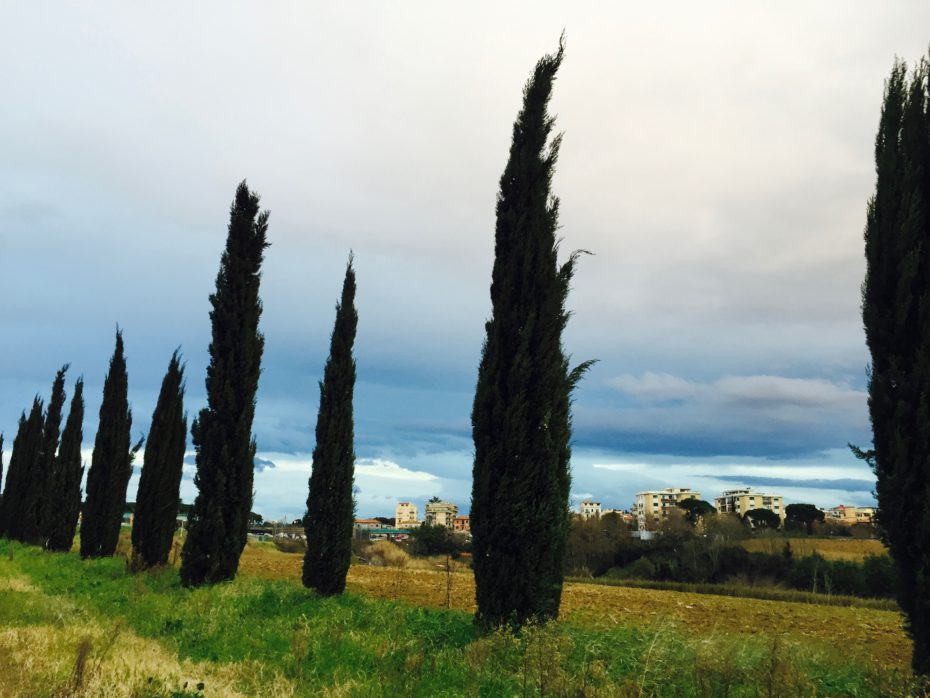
(160,483)
(35,501)
(222,434)
(64,501)
(520,420)
(111,463)
(19,491)
(330,507)
(896,317)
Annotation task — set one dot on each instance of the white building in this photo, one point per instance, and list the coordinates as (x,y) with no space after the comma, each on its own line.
(652,506)
(744,499)
(441,513)
(589,509)
(405,515)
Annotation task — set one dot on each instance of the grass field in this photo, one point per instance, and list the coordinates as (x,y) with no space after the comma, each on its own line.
(90,628)
(852,549)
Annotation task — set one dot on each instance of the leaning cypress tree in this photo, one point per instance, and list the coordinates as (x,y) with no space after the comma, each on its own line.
(521,421)
(330,507)
(222,434)
(19,493)
(160,483)
(63,504)
(111,463)
(896,318)
(35,498)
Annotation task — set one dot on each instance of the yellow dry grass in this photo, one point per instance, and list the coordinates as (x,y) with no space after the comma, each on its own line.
(852,549)
(875,636)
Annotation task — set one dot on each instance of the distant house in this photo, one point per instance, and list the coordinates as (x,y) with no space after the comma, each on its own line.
(366,524)
(589,509)
(847,514)
(461,524)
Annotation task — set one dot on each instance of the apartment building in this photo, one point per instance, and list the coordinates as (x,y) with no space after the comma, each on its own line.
(742,500)
(406,515)
(461,524)
(847,514)
(441,513)
(652,506)
(589,509)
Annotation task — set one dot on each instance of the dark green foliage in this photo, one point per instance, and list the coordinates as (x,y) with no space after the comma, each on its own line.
(1,468)
(158,497)
(429,539)
(35,501)
(521,421)
(64,501)
(763,518)
(222,434)
(802,517)
(19,493)
(111,463)
(896,317)
(330,507)
(696,509)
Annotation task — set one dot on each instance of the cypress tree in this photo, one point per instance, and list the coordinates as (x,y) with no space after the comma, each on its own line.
(330,507)
(111,463)
(64,501)
(35,498)
(19,493)
(896,318)
(1,469)
(222,433)
(160,483)
(521,421)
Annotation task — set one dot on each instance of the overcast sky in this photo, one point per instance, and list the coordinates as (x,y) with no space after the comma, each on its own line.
(717,160)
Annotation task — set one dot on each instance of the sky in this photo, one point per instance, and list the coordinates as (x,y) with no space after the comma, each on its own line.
(717,160)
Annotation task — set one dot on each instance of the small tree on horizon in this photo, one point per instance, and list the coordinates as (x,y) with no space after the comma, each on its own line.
(222,434)
(521,423)
(158,497)
(64,501)
(111,463)
(763,518)
(802,517)
(330,505)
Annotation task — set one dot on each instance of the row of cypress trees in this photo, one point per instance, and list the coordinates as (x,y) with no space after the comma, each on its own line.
(520,420)
(42,495)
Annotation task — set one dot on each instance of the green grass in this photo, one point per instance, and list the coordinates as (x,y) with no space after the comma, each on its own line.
(353,645)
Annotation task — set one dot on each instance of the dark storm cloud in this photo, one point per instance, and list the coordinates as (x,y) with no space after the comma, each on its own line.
(845,484)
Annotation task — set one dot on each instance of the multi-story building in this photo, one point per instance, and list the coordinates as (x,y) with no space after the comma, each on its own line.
(461,524)
(653,506)
(441,513)
(589,509)
(847,514)
(742,500)
(405,515)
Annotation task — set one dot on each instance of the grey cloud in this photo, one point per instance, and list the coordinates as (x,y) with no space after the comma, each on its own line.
(845,484)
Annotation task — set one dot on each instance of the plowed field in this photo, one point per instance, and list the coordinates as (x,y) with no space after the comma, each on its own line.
(874,635)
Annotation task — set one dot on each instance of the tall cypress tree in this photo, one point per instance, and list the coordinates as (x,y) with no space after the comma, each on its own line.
(19,493)
(896,318)
(1,469)
(160,483)
(35,497)
(222,434)
(521,419)
(64,499)
(111,463)
(330,507)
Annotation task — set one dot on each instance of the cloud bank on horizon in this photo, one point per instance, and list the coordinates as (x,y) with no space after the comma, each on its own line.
(717,160)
